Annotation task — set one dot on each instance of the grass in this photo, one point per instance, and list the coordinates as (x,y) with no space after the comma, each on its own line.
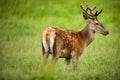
(22,23)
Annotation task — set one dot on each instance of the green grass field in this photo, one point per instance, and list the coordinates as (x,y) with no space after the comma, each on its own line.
(22,23)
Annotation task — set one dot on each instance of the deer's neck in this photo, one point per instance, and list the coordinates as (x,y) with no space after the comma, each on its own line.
(87,34)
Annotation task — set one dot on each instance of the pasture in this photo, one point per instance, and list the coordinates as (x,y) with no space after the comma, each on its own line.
(22,23)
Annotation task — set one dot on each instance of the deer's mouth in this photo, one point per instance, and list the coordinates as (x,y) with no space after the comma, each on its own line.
(105,33)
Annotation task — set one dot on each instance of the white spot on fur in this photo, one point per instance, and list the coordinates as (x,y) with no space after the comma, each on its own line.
(45,45)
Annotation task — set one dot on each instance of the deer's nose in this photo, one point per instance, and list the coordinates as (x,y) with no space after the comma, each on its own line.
(106,33)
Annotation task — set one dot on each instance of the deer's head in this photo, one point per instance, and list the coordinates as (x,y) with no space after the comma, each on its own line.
(93,22)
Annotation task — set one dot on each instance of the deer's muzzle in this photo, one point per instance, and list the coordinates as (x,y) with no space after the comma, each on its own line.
(106,33)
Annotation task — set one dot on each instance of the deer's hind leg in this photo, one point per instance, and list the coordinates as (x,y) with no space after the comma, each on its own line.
(45,51)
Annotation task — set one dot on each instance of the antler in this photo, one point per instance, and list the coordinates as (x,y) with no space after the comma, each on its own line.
(97,13)
(91,9)
(85,10)
(90,14)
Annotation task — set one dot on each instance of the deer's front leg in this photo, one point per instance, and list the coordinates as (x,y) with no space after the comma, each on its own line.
(68,66)
(75,62)
(68,60)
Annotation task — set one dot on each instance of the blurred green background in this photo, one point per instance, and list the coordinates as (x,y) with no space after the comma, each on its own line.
(22,23)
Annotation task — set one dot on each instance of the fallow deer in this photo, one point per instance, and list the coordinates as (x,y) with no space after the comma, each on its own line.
(71,44)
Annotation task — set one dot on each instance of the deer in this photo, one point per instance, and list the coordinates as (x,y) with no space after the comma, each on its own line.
(71,44)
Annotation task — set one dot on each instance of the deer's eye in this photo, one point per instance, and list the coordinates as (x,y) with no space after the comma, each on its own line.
(96,23)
